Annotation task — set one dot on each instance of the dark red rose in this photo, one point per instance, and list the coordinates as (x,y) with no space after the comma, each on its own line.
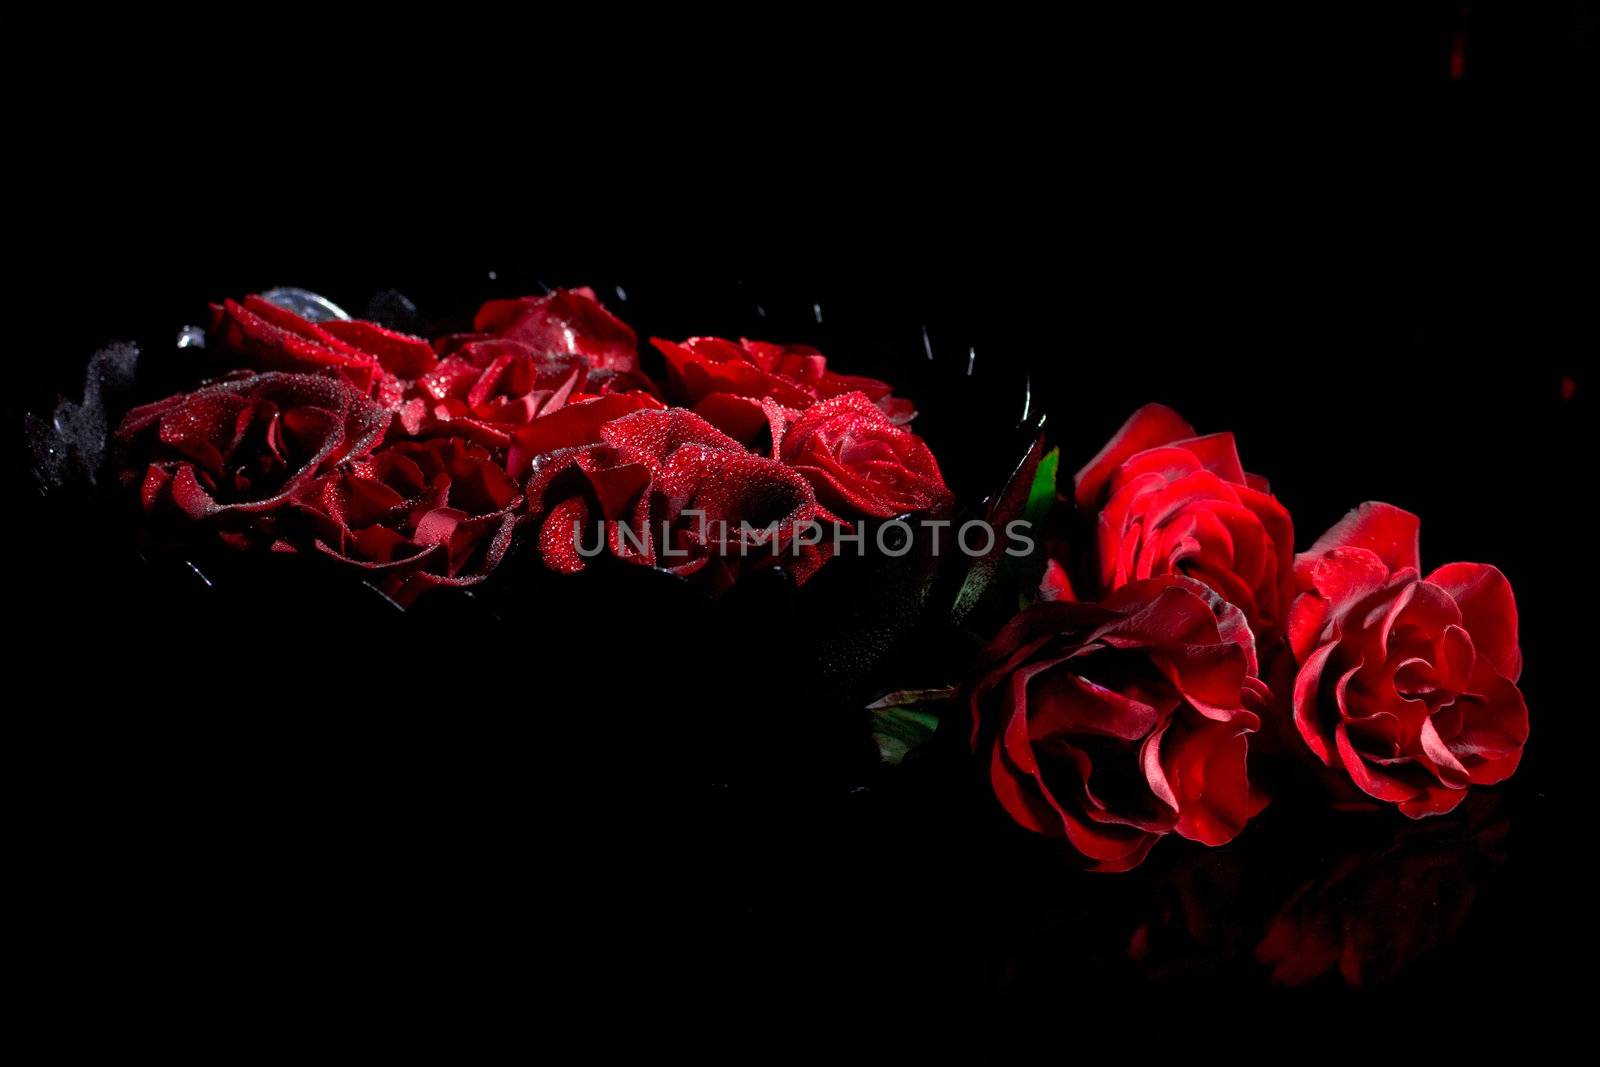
(655,467)
(415,514)
(485,390)
(1164,501)
(1406,683)
(709,373)
(1114,724)
(232,453)
(861,463)
(373,359)
(567,322)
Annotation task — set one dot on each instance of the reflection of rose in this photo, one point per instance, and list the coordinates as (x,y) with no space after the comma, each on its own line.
(1377,912)
(1349,897)
(1406,683)
(1202,917)
(1114,724)
(1165,501)
(860,462)
(230,455)
(416,514)
(670,467)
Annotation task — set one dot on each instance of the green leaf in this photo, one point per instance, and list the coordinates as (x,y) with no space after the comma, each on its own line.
(1042,494)
(1015,582)
(907,720)
(1006,505)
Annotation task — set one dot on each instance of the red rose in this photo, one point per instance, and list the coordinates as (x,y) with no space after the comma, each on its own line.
(670,467)
(567,322)
(1408,684)
(366,355)
(232,453)
(708,372)
(859,462)
(486,389)
(417,514)
(1113,724)
(570,426)
(1165,501)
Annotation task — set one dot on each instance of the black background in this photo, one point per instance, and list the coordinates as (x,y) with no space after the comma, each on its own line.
(1303,229)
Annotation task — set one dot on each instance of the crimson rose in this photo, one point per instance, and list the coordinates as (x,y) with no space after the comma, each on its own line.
(416,514)
(485,390)
(1407,683)
(861,463)
(1165,501)
(230,454)
(674,492)
(1116,723)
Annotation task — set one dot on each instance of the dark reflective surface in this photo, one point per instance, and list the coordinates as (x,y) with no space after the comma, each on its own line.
(623,788)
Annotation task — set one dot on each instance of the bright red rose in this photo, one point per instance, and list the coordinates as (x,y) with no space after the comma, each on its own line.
(1165,501)
(230,454)
(861,463)
(1114,724)
(708,373)
(416,515)
(1407,683)
(373,359)
(669,467)
(567,322)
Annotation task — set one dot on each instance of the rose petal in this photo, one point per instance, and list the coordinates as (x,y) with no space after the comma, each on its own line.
(1388,532)
(1150,426)
(1488,611)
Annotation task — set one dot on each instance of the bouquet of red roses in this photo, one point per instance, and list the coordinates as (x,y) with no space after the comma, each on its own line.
(423,463)
(1174,626)
(1124,654)
(1168,628)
